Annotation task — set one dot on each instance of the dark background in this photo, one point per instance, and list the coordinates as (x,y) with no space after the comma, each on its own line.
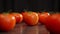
(34,5)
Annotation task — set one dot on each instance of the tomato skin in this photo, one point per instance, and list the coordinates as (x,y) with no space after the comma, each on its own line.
(53,23)
(43,16)
(18,16)
(30,18)
(7,22)
(24,15)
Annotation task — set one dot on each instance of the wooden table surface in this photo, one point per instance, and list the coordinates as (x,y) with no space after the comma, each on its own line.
(24,29)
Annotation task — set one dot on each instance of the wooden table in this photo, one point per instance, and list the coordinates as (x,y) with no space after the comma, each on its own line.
(24,29)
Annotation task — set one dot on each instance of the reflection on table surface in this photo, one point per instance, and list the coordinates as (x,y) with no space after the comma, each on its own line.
(24,29)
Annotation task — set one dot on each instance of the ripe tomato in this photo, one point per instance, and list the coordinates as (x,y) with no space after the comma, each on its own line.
(53,23)
(7,22)
(18,17)
(24,13)
(43,16)
(30,18)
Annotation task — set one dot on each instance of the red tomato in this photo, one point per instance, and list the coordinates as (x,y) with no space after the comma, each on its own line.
(7,22)
(53,23)
(24,13)
(31,18)
(43,16)
(18,17)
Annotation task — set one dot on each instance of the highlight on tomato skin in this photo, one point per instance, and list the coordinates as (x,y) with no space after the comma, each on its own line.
(18,16)
(30,18)
(7,22)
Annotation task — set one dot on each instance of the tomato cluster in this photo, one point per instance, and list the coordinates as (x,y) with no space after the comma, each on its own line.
(51,21)
(8,21)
